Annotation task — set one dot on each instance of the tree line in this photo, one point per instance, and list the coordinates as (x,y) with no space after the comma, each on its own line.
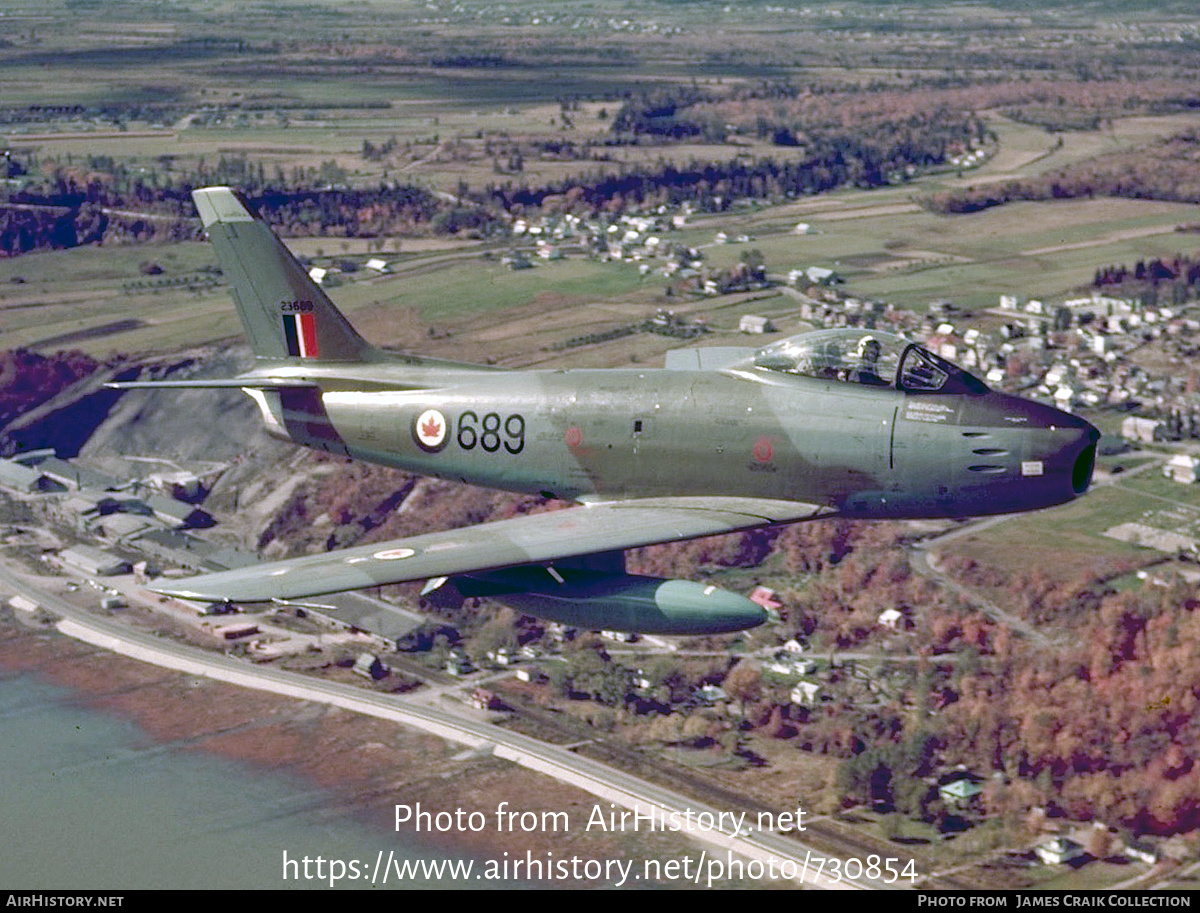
(81,205)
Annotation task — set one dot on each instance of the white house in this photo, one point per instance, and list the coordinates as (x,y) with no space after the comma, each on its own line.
(1182,468)
(786,664)
(1135,428)
(890,618)
(805,693)
(711,694)
(621,637)
(1058,851)
(751,323)
(1143,852)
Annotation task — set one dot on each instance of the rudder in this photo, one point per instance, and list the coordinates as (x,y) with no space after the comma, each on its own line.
(285,313)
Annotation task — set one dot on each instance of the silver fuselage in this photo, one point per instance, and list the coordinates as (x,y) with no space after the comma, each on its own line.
(642,433)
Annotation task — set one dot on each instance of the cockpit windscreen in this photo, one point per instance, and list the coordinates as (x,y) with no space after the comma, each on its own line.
(867,357)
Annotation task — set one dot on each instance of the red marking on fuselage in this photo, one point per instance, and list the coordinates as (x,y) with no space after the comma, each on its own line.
(763,450)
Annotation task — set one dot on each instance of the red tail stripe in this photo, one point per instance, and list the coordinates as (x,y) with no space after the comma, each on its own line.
(308,336)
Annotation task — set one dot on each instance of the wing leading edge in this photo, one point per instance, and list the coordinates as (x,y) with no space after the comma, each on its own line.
(532,539)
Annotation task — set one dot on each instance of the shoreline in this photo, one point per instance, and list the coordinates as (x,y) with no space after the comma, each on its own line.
(368,765)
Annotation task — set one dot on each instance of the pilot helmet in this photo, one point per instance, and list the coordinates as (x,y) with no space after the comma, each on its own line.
(869,348)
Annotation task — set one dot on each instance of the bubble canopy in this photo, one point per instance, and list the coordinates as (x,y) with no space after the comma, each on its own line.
(867,357)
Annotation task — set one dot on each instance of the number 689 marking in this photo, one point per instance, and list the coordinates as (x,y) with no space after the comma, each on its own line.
(491,432)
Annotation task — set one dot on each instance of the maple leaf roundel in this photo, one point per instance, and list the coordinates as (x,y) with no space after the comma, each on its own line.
(429,430)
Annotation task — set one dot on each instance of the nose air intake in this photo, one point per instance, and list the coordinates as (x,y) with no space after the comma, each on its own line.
(1081,475)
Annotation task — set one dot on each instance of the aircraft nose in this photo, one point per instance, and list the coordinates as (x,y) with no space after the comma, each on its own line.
(1027,454)
(1061,444)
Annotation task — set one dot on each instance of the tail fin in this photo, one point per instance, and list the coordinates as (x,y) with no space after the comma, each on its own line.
(284,312)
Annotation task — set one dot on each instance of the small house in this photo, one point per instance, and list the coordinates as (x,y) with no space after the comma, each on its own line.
(1143,430)
(751,323)
(766,598)
(1058,851)
(805,693)
(1182,468)
(890,619)
(368,665)
(959,793)
(530,674)
(1142,851)
(483,699)
(711,694)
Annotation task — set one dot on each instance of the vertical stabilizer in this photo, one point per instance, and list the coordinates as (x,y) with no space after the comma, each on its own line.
(284,312)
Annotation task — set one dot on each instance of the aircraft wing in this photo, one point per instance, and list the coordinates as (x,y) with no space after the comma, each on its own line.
(530,539)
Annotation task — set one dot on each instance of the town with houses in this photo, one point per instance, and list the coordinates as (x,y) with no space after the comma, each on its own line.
(1094,352)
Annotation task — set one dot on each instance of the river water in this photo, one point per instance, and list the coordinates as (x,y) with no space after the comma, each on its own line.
(88,800)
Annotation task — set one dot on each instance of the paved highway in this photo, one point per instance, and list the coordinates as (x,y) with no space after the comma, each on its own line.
(812,867)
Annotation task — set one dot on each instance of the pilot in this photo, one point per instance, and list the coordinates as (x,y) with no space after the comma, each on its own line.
(828,367)
(867,371)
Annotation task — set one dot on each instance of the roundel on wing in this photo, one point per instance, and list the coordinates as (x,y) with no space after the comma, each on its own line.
(429,431)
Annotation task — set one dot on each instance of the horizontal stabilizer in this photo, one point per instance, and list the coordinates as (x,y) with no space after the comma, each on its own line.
(223,383)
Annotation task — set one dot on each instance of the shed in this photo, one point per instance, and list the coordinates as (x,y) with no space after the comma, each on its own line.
(1142,851)
(766,597)
(23,603)
(94,561)
(177,514)
(74,477)
(235,631)
(18,477)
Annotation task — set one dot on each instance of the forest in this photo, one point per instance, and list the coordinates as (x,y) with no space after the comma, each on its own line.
(81,206)
(28,379)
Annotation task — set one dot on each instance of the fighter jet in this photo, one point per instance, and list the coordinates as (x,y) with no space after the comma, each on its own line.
(846,423)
